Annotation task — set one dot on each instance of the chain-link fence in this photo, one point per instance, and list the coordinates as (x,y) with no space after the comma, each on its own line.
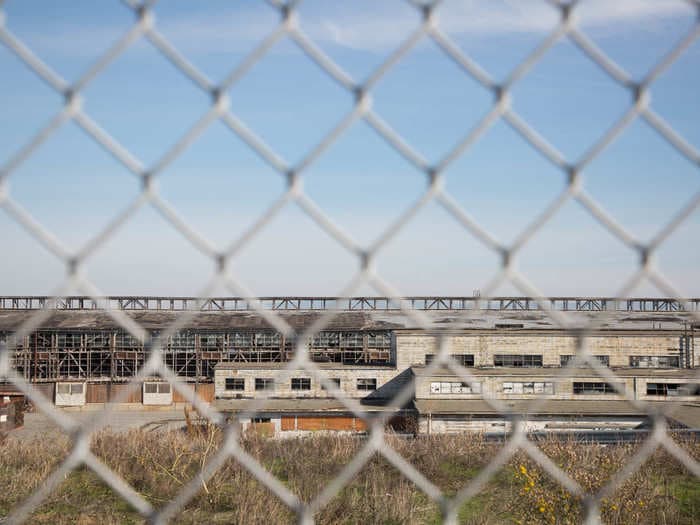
(291,27)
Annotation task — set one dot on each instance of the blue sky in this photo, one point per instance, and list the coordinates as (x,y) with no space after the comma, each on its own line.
(220,187)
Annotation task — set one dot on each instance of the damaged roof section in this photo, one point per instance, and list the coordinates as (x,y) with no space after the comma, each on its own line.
(437,320)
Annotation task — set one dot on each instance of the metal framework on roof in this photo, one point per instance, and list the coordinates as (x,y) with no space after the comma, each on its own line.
(239,304)
(115,355)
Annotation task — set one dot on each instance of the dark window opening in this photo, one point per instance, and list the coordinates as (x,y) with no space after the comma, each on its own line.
(235,383)
(301,383)
(264,383)
(518,361)
(460,359)
(673,389)
(596,388)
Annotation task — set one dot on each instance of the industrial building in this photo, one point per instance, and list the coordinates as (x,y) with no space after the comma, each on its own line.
(369,350)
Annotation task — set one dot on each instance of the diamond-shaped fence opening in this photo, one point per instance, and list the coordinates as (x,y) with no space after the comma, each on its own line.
(148,357)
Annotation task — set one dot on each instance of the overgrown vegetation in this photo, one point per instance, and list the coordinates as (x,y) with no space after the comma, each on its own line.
(158,464)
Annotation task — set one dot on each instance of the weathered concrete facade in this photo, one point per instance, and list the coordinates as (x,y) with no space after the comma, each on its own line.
(412,347)
(346,375)
(231,357)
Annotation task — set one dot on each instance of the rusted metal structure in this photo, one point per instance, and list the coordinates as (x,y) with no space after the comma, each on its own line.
(113,355)
(239,304)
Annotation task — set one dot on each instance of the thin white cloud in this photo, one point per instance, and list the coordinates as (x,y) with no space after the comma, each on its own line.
(381,30)
(367,26)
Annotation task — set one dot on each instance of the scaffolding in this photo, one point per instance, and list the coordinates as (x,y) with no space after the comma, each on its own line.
(113,355)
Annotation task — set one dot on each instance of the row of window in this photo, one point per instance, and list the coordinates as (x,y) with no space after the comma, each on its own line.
(461,359)
(78,388)
(535,360)
(529,387)
(455,388)
(673,389)
(579,387)
(324,339)
(564,360)
(296,383)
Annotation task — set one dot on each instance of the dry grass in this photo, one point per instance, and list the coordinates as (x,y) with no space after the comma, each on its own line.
(158,464)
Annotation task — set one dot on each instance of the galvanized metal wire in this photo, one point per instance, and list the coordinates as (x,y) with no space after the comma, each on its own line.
(290,27)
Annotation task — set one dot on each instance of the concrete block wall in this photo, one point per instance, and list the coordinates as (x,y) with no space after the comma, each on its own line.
(563,389)
(348,382)
(642,389)
(493,387)
(412,348)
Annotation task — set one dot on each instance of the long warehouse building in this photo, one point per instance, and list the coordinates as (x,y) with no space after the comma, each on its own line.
(369,349)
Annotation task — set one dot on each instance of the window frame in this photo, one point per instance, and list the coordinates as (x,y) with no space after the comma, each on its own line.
(564,359)
(591,388)
(73,388)
(518,360)
(366,383)
(679,389)
(654,361)
(234,384)
(264,383)
(454,387)
(156,387)
(334,380)
(300,383)
(465,360)
(520,387)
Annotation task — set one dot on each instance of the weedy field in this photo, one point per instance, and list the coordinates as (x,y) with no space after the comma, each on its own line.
(158,464)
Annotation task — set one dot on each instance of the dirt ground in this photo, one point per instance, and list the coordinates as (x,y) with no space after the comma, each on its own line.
(37,424)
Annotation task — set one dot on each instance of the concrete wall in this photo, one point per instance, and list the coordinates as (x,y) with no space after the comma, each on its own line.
(412,348)
(563,390)
(457,424)
(348,382)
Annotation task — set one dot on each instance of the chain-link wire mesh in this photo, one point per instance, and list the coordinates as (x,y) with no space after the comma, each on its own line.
(360,91)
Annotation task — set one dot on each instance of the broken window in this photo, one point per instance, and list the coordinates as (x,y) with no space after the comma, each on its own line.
(564,360)
(528,387)
(454,387)
(654,361)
